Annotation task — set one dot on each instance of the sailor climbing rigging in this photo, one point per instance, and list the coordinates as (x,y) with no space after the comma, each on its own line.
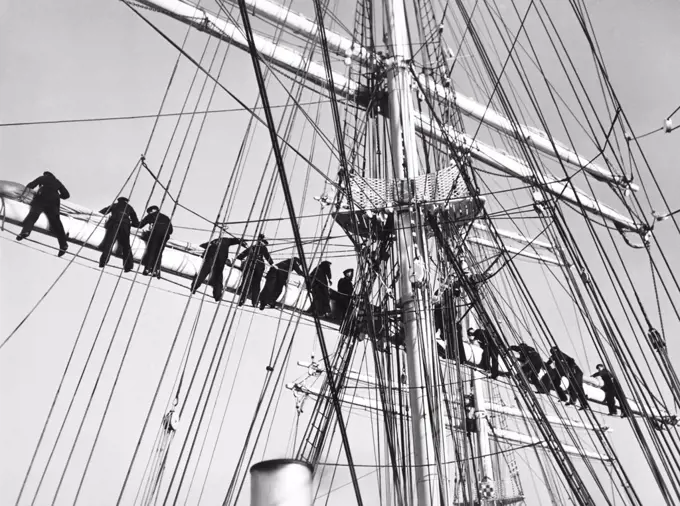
(158,235)
(46,201)
(566,367)
(277,277)
(216,257)
(531,364)
(253,270)
(344,293)
(612,390)
(490,347)
(321,282)
(117,226)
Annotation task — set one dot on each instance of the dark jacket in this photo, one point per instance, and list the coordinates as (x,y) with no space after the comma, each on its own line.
(322,274)
(610,382)
(285,266)
(484,338)
(51,189)
(162,222)
(527,352)
(122,214)
(563,362)
(345,286)
(220,248)
(256,254)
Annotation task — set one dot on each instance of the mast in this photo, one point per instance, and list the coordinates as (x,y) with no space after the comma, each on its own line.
(486,485)
(418,351)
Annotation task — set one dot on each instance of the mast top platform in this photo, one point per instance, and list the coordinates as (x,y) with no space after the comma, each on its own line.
(375,200)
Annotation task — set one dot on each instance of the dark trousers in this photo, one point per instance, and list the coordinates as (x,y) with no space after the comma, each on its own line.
(552,381)
(531,368)
(611,395)
(120,234)
(342,301)
(52,213)
(576,387)
(490,360)
(273,287)
(250,284)
(211,264)
(322,300)
(153,254)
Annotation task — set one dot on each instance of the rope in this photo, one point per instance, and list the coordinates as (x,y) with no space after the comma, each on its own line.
(296,232)
(149,116)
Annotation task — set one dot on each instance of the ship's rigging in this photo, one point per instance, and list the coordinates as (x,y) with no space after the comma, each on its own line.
(412,182)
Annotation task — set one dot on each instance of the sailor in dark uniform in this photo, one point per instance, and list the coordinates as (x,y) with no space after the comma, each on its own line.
(118,225)
(46,200)
(253,269)
(161,230)
(567,368)
(445,323)
(531,364)
(552,380)
(490,347)
(321,282)
(345,290)
(277,277)
(216,257)
(612,390)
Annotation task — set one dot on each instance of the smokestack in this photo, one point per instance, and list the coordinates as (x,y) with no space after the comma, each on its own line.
(281,482)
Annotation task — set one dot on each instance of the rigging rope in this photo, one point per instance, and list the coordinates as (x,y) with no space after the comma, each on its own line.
(291,211)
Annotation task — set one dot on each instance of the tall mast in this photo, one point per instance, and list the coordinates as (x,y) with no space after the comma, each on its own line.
(486,485)
(405,167)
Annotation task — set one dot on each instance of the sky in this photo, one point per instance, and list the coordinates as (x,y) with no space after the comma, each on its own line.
(78,59)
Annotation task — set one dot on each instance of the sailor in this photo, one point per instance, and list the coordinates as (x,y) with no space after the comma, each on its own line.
(216,257)
(161,230)
(552,380)
(321,282)
(531,364)
(612,390)
(438,315)
(566,367)
(490,347)
(277,277)
(444,324)
(470,415)
(345,291)
(46,200)
(253,269)
(117,227)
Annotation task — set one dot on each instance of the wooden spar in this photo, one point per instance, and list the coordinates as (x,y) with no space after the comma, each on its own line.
(344,47)
(561,189)
(314,72)
(535,243)
(533,137)
(506,435)
(268,49)
(473,355)
(87,229)
(514,251)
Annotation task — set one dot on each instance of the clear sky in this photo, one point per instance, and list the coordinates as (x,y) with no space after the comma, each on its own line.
(79,59)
